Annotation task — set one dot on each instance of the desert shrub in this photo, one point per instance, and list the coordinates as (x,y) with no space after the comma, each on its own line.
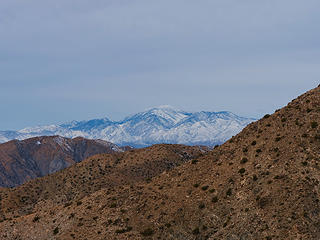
(204,188)
(245,150)
(168,225)
(283,120)
(262,202)
(195,231)
(314,124)
(244,160)
(123,230)
(55,231)
(196,185)
(202,206)
(278,139)
(258,150)
(212,190)
(36,219)
(194,161)
(254,178)
(266,116)
(214,199)
(113,205)
(254,143)
(147,232)
(229,192)
(242,170)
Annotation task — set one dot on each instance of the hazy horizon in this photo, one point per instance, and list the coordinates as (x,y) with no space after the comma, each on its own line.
(79,60)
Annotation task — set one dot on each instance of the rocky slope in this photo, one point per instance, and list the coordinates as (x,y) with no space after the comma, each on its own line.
(261,184)
(154,126)
(21,161)
(70,186)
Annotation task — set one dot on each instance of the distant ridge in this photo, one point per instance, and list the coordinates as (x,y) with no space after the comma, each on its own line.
(21,161)
(262,184)
(163,124)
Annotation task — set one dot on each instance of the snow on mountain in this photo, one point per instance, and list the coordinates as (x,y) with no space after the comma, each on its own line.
(163,124)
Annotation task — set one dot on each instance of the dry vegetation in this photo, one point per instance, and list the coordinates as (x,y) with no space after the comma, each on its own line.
(261,184)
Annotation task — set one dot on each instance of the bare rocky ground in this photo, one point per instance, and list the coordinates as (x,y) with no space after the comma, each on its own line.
(261,184)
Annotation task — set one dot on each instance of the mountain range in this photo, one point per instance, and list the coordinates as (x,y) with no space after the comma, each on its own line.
(154,126)
(262,183)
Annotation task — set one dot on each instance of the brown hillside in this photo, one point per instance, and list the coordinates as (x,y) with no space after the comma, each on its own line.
(261,184)
(104,171)
(21,161)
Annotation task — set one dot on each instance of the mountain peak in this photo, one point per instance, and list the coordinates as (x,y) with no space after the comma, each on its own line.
(161,124)
(261,184)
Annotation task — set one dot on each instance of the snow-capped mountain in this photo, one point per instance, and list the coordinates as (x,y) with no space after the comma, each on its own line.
(157,125)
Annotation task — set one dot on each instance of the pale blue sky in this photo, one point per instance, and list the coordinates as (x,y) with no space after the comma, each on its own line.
(82,59)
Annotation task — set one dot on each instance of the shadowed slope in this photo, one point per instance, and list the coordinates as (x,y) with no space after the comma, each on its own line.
(261,184)
(21,161)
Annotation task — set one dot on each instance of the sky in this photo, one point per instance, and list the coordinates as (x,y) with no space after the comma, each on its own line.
(69,60)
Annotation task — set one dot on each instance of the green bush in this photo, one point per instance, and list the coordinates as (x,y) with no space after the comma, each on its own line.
(204,188)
